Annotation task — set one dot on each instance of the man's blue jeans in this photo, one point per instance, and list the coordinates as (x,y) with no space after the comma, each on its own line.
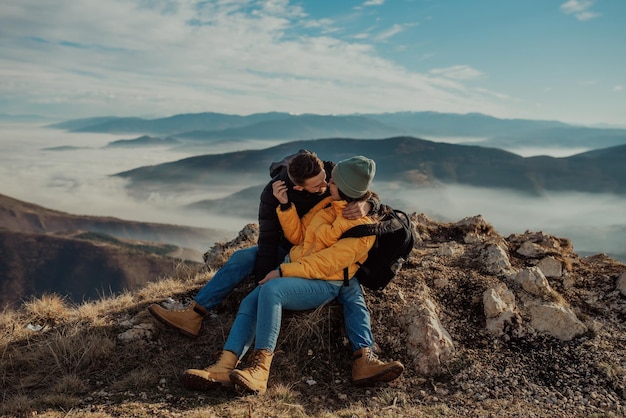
(241,264)
(238,267)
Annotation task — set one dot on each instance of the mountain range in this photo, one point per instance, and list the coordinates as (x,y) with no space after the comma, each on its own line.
(47,249)
(206,128)
(412,161)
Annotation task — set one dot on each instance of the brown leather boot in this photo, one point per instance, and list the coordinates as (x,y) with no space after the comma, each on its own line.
(187,320)
(367,369)
(254,378)
(213,376)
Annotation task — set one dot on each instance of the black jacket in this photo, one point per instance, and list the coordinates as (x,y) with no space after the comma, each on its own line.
(271,236)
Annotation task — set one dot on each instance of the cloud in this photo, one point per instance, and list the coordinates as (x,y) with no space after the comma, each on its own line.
(500,96)
(618,88)
(457,72)
(373,3)
(394,30)
(579,8)
(79,181)
(233,56)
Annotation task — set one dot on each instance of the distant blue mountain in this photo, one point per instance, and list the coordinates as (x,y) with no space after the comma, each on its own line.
(85,123)
(452,124)
(206,128)
(170,125)
(302,127)
(142,141)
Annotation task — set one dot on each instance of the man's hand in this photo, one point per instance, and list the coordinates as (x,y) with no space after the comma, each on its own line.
(271,275)
(356,210)
(279,188)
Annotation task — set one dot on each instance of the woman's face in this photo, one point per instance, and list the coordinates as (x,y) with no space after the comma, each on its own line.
(334,191)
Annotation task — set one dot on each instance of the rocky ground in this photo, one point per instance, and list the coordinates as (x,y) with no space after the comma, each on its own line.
(485,325)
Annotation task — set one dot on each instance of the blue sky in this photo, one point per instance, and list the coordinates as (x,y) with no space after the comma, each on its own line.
(536,59)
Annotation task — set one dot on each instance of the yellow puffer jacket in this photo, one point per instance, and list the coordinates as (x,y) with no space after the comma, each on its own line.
(318,253)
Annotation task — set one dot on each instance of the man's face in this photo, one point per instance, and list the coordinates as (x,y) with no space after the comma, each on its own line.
(315,185)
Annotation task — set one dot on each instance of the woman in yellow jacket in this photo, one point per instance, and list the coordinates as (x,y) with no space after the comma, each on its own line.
(311,276)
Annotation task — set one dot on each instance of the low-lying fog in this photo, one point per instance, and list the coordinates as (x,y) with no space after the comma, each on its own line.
(77,180)
(522,151)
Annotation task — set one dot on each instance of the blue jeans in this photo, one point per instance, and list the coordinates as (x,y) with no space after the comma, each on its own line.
(241,264)
(260,313)
(356,316)
(238,267)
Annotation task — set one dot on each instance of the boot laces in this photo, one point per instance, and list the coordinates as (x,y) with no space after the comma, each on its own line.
(255,361)
(373,358)
(174,305)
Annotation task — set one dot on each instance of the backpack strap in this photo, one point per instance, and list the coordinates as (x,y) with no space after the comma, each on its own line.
(357,232)
(378,228)
(346,279)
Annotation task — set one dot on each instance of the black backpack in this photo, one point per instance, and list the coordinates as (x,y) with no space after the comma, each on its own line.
(394,242)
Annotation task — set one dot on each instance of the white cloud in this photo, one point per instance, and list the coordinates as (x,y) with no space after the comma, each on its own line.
(393,30)
(587,15)
(579,8)
(574,6)
(496,94)
(457,72)
(618,88)
(123,57)
(373,3)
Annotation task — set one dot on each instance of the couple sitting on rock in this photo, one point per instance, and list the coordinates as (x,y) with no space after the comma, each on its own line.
(299,262)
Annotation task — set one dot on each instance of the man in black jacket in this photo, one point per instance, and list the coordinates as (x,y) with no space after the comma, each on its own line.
(306,187)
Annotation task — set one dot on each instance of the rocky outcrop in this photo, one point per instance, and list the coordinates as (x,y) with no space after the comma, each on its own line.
(518,298)
(621,283)
(485,325)
(427,340)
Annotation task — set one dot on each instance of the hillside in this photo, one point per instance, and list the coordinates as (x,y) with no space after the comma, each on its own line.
(486,325)
(85,257)
(402,159)
(80,267)
(16,215)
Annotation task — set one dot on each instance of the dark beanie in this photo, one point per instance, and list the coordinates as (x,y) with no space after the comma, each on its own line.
(354,175)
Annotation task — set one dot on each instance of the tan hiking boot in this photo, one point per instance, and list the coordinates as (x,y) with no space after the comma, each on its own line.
(187,320)
(254,378)
(367,369)
(213,376)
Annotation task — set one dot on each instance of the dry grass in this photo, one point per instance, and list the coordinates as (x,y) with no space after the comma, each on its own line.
(77,366)
(48,310)
(77,355)
(15,406)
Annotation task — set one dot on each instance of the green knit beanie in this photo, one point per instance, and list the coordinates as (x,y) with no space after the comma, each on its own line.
(354,175)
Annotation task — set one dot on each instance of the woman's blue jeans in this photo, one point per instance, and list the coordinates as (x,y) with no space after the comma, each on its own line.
(241,264)
(260,313)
